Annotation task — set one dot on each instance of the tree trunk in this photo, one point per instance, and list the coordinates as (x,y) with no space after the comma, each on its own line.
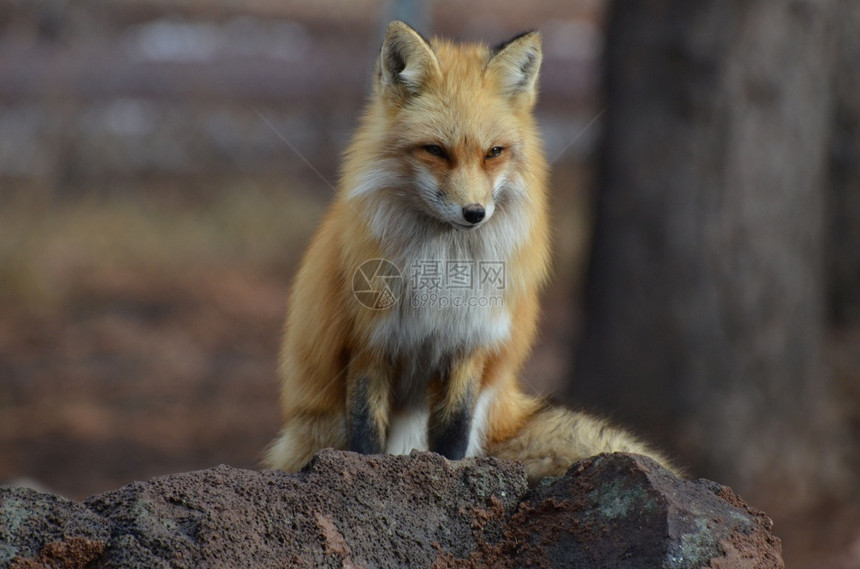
(843,247)
(705,296)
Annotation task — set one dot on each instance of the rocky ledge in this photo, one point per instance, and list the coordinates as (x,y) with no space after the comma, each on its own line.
(346,510)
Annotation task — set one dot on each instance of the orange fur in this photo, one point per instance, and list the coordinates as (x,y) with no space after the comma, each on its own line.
(448,126)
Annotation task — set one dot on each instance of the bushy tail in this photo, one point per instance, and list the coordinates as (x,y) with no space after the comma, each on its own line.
(553,438)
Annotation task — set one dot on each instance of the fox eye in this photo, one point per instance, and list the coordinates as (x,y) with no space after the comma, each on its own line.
(495,152)
(435,150)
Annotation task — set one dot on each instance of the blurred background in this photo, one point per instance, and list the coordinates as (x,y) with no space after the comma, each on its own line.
(163,165)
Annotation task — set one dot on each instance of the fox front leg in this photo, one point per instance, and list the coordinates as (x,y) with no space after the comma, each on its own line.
(368,404)
(453,406)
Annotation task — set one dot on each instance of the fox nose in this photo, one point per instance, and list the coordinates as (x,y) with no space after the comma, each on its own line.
(474,213)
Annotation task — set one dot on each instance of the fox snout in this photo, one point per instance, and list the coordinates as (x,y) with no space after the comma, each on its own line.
(474,213)
(471,215)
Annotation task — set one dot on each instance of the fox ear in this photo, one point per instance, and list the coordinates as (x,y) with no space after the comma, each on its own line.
(406,61)
(516,63)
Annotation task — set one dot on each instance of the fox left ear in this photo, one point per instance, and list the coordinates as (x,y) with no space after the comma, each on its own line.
(406,61)
(516,63)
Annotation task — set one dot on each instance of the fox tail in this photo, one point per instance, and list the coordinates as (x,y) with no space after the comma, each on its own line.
(552,438)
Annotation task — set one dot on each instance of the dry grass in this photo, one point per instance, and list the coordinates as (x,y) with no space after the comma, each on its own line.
(48,247)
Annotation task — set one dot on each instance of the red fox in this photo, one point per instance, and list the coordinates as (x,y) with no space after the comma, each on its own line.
(441,213)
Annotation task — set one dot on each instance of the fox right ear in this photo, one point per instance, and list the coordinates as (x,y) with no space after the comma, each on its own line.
(406,61)
(516,64)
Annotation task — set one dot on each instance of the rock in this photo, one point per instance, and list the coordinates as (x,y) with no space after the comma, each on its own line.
(43,530)
(348,510)
(626,511)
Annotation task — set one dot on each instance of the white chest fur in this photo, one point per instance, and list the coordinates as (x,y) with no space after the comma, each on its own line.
(436,326)
(454,286)
(453,301)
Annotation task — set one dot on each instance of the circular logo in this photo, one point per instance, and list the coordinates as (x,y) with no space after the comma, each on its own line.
(377,284)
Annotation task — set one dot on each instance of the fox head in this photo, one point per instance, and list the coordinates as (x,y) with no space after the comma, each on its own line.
(449,131)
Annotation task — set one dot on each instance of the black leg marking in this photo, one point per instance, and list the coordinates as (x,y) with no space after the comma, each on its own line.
(364,434)
(450,437)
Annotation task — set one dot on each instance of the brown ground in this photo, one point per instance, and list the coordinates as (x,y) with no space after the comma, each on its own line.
(119,363)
